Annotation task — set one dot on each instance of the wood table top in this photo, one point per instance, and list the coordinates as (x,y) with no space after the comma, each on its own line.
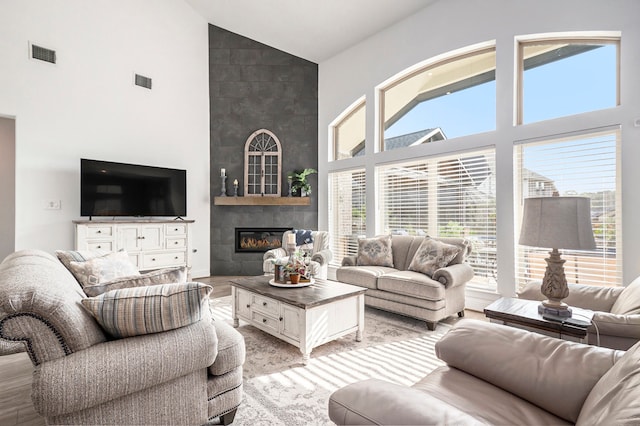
(319,293)
(525,312)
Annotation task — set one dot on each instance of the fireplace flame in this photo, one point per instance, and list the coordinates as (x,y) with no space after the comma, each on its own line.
(255,243)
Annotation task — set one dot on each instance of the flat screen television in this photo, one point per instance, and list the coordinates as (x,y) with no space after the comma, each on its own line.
(119,189)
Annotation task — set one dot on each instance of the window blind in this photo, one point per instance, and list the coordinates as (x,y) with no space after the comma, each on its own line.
(448,196)
(347,212)
(580,165)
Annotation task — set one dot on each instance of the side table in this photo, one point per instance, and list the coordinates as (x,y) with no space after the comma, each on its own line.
(522,313)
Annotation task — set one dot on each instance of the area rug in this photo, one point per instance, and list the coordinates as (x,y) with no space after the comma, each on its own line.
(280,390)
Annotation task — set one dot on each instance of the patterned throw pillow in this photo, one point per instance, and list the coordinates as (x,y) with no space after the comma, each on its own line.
(432,255)
(68,256)
(101,269)
(375,251)
(144,310)
(175,275)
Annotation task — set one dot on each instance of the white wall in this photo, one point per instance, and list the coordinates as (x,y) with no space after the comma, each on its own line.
(86,106)
(453,24)
(7,185)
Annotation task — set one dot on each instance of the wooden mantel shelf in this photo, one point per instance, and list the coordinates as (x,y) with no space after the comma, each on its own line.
(262,201)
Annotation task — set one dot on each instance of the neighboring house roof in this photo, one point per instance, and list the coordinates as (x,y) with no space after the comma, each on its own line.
(402,141)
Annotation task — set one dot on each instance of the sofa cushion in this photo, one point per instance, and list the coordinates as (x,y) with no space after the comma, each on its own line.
(410,283)
(628,302)
(143,310)
(103,268)
(614,399)
(375,251)
(231,349)
(432,255)
(363,276)
(174,275)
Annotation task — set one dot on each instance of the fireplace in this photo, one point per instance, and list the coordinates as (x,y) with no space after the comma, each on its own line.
(257,240)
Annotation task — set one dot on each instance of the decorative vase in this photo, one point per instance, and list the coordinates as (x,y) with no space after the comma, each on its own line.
(294,278)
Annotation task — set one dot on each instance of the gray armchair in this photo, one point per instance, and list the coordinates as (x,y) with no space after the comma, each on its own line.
(617,311)
(188,375)
(318,249)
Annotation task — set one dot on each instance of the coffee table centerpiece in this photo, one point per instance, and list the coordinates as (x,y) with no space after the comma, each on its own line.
(295,270)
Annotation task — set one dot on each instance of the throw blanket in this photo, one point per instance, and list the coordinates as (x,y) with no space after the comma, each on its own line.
(303,236)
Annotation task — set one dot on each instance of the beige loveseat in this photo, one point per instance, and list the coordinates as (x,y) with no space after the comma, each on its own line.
(501,375)
(415,294)
(187,375)
(616,311)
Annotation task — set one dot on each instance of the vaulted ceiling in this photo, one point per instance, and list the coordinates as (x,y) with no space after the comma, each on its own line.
(312,29)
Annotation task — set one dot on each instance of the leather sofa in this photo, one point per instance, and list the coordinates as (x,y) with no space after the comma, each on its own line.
(414,294)
(616,311)
(501,375)
(187,375)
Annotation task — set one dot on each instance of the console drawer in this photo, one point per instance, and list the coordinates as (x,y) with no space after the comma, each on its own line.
(163,259)
(264,321)
(100,245)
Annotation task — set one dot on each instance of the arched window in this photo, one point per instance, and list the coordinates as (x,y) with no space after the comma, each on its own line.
(262,164)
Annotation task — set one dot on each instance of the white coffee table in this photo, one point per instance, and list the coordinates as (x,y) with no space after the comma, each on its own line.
(305,317)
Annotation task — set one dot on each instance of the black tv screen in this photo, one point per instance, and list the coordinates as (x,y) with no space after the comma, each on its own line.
(118,189)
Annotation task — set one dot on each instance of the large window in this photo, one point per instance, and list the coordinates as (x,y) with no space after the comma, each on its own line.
(583,165)
(347,212)
(349,132)
(564,77)
(448,196)
(450,98)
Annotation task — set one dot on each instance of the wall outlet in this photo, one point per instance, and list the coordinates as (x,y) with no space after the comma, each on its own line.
(53,205)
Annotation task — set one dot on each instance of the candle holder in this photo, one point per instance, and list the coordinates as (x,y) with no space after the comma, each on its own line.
(223,189)
(235,188)
(290,180)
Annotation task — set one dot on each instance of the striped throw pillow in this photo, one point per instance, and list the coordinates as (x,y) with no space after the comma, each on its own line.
(144,310)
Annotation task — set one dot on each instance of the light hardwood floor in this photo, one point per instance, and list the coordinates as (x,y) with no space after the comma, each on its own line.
(16,407)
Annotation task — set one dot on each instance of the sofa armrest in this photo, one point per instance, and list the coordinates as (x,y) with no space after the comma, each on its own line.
(540,369)
(350,261)
(379,402)
(323,257)
(454,275)
(595,298)
(116,368)
(275,253)
(616,325)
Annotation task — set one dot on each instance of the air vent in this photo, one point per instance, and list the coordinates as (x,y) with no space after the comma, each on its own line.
(143,81)
(43,54)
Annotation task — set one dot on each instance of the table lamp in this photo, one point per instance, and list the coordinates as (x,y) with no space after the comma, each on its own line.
(557,223)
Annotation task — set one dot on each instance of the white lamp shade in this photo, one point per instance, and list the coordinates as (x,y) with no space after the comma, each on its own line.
(557,222)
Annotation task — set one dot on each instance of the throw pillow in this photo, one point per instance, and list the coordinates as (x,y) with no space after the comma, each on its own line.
(68,256)
(303,236)
(105,268)
(432,255)
(144,310)
(375,251)
(175,275)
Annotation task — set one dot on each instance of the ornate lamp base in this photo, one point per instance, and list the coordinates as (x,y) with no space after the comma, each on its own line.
(554,286)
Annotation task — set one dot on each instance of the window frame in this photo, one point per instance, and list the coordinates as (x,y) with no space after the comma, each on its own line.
(334,127)
(248,153)
(412,71)
(522,41)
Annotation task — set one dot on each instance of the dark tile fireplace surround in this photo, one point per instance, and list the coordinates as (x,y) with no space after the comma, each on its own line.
(254,86)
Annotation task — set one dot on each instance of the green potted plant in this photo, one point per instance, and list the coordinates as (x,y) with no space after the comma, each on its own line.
(299,183)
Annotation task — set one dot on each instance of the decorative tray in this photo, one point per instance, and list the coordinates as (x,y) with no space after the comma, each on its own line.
(289,285)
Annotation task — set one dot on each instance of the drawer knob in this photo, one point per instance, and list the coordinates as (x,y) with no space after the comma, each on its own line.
(176,258)
(248,305)
(281,318)
(264,320)
(175,242)
(99,232)
(99,247)
(176,229)
(264,303)
(153,259)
